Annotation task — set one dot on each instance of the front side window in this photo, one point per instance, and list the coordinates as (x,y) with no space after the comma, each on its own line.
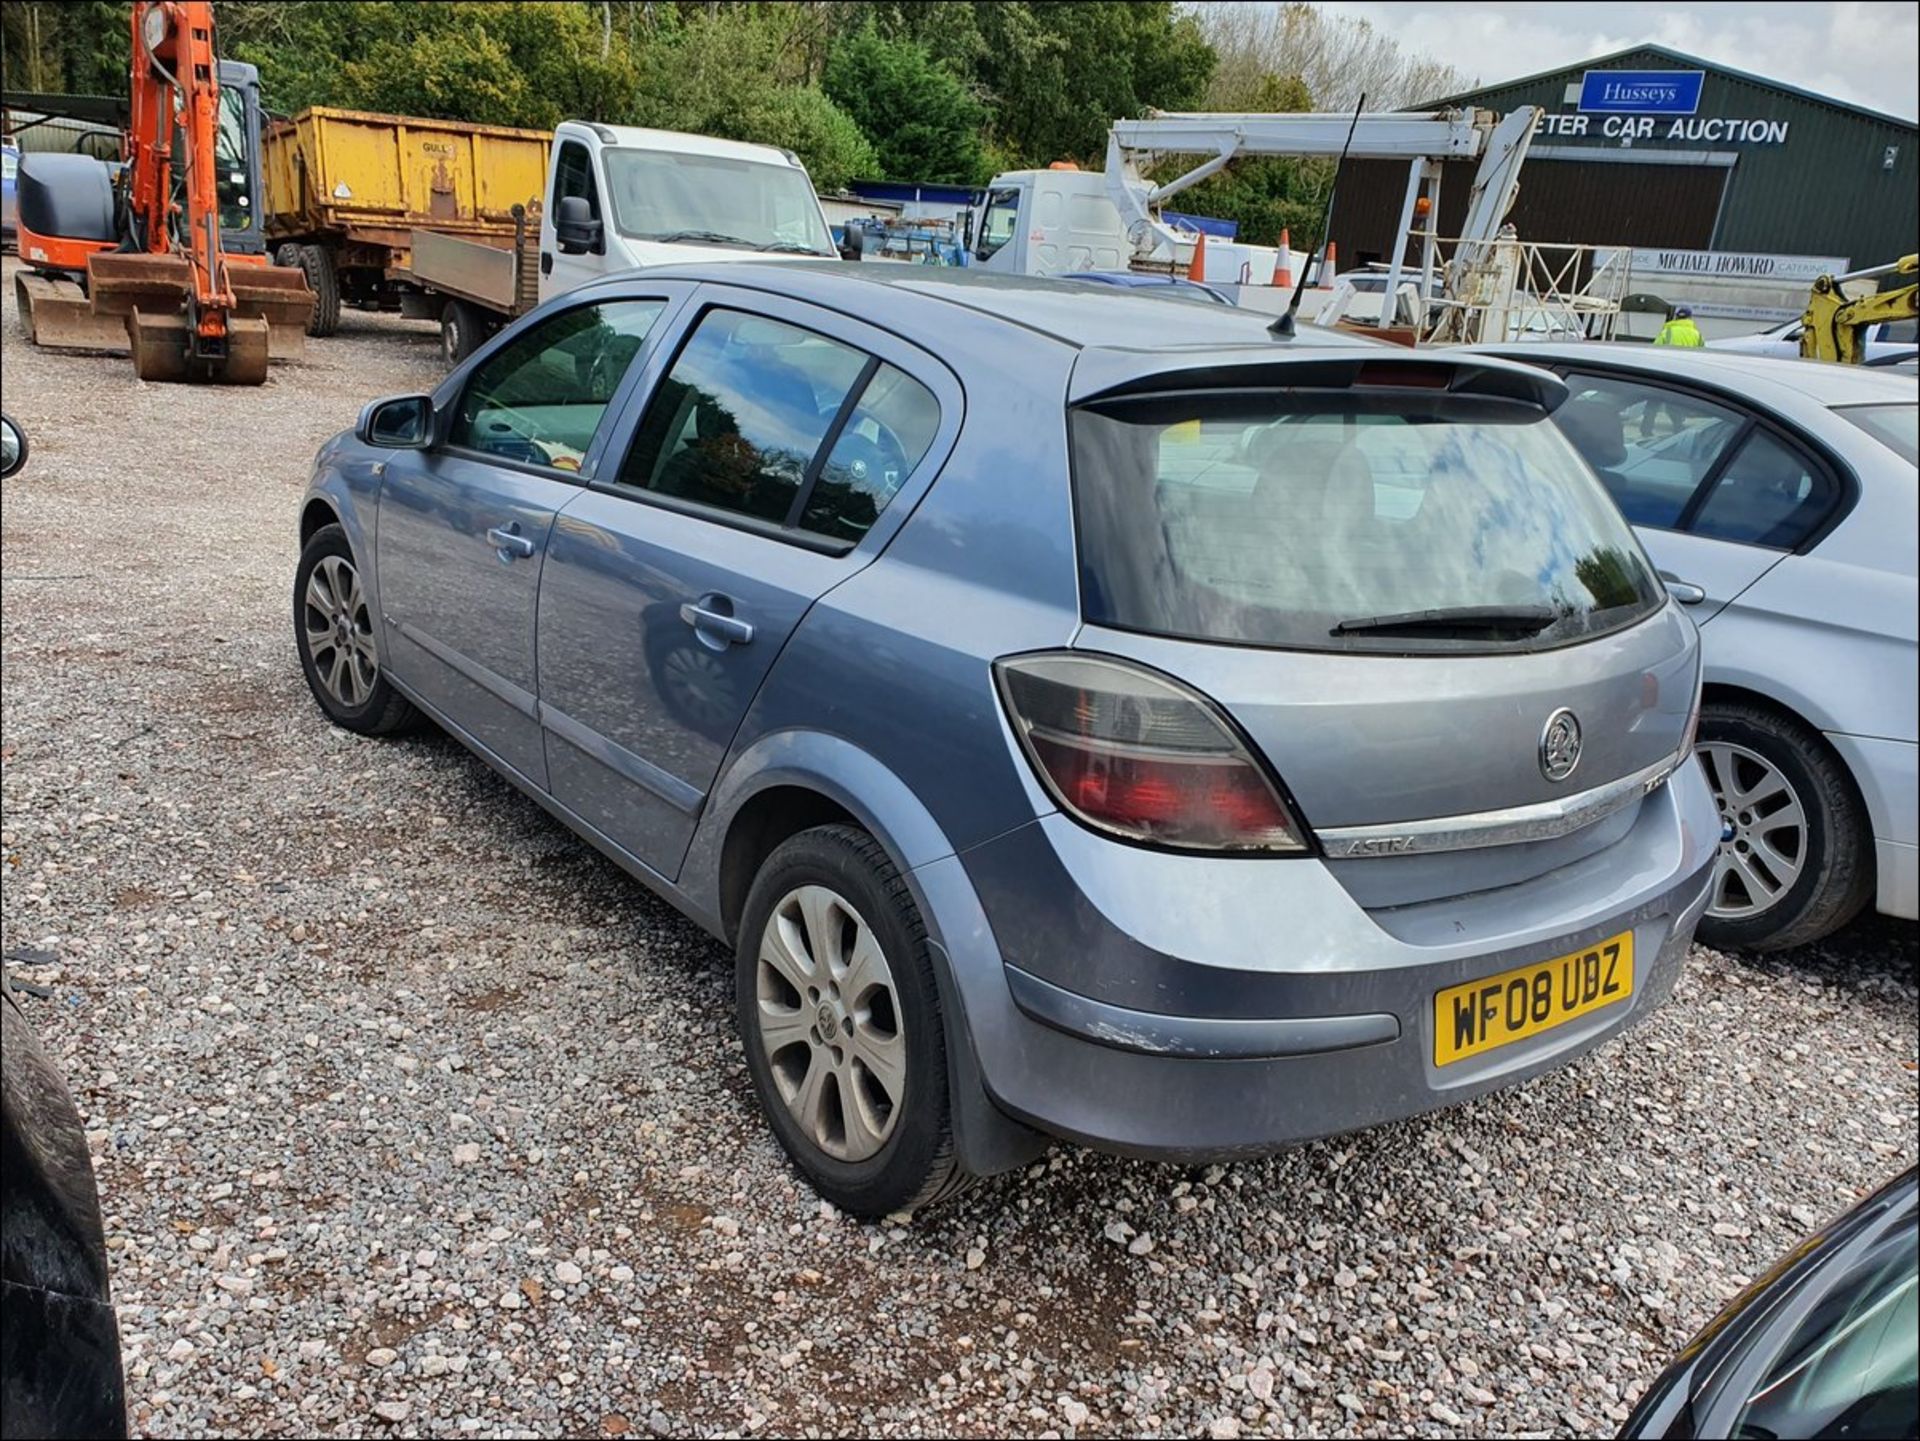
(1347,520)
(1768,495)
(715,200)
(997,222)
(232,162)
(539,399)
(1650,446)
(573,175)
(766,420)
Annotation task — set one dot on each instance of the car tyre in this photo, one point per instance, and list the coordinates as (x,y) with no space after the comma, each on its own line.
(323,279)
(461,331)
(287,256)
(827,901)
(1738,745)
(333,631)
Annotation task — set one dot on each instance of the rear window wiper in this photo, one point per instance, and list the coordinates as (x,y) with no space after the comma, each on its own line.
(1474,619)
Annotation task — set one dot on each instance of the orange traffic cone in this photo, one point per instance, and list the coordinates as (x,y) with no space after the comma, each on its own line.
(1283,262)
(1197,271)
(1328,271)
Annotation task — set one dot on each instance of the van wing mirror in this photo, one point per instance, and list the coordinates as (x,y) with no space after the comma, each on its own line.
(575,230)
(397,422)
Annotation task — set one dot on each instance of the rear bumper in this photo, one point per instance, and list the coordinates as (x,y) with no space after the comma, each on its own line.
(1323,1023)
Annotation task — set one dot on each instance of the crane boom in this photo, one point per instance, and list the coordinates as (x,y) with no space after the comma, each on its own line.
(1422,138)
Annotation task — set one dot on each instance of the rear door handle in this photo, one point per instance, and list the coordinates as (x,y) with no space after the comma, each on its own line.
(546,262)
(1684,591)
(507,542)
(715,624)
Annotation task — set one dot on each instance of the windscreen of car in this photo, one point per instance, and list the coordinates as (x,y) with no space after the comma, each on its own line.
(1334,520)
(1895,426)
(715,199)
(231,161)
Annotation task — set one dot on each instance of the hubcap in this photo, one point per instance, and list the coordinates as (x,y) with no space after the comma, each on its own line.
(340,632)
(1763,832)
(829,1023)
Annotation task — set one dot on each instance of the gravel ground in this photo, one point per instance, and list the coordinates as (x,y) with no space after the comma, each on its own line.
(411,1115)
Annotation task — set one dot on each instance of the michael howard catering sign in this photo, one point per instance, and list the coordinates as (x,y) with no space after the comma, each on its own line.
(1642,92)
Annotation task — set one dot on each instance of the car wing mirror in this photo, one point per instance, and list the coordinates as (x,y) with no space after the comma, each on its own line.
(13,446)
(575,230)
(397,422)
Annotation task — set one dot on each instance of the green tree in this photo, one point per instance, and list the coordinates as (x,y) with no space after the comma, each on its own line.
(1061,73)
(923,122)
(741,73)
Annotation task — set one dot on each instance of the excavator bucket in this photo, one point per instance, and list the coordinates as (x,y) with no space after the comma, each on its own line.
(281,297)
(164,349)
(269,319)
(55,312)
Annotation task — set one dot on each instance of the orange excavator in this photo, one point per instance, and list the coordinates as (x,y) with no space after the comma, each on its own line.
(148,239)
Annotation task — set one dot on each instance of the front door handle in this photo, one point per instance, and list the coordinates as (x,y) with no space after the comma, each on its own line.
(546,262)
(1684,591)
(716,625)
(507,542)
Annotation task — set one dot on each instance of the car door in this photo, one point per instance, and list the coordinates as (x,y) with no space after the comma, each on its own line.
(463,525)
(770,456)
(576,172)
(1660,449)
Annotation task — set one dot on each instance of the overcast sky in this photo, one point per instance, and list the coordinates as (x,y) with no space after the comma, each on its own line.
(1858,51)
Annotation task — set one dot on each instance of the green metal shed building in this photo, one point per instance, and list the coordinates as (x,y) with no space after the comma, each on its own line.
(1650,148)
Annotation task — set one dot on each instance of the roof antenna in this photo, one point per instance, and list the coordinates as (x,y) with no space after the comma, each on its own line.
(1282,328)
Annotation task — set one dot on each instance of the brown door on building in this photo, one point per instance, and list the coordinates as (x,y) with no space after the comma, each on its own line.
(1561,202)
(1584,202)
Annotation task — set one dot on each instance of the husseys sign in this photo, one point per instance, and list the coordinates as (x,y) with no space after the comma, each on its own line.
(1641,92)
(1658,105)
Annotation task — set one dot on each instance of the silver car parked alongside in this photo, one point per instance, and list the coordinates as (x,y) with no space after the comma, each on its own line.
(1779,496)
(1082,715)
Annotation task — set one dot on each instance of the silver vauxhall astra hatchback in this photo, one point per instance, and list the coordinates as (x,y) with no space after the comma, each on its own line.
(1083,714)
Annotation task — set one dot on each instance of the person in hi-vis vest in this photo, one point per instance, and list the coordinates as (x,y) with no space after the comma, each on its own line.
(1680,330)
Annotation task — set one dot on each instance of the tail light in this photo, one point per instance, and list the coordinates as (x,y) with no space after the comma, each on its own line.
(1136,754)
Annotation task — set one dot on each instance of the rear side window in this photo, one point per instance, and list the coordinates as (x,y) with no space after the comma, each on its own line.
(774,422)
(539,399)
(1768,495)
(1650,446)
(884,438)
(1894,426)
(1325,520)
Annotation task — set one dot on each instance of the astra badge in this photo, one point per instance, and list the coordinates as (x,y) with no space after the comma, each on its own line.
(1560,745)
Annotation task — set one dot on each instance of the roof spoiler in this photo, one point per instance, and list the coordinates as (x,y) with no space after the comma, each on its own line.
(1111,374)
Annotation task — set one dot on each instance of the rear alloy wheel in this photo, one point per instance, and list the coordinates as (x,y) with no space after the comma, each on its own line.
(840,1016)
(1794,850)
(333,631)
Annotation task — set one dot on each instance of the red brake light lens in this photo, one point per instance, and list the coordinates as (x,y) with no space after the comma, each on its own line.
(1136,754)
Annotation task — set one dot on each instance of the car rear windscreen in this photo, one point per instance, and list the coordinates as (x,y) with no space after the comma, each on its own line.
(1348,520)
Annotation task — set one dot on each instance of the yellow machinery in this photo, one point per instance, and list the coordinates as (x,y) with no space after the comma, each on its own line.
(1836,324)
(346,189)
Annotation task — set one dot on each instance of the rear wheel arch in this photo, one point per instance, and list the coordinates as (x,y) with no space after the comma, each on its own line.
(762,823)
(1845,879)
(1724,694)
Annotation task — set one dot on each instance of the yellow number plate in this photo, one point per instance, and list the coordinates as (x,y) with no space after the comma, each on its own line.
(1495,1011)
